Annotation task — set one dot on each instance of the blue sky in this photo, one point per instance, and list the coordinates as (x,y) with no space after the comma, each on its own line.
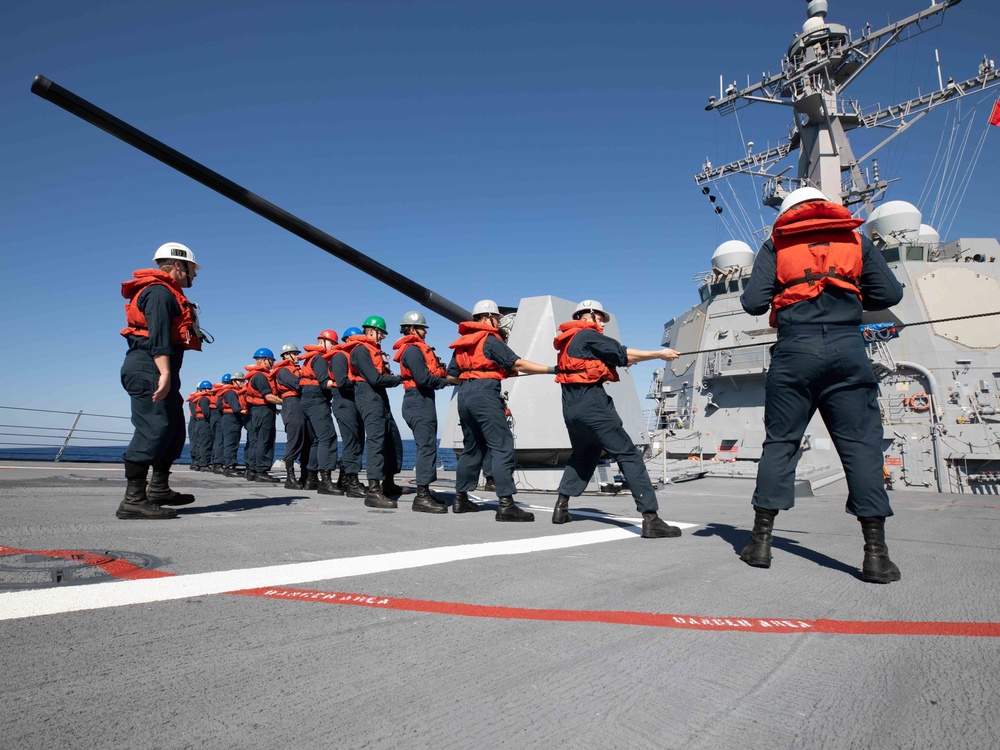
(499,150)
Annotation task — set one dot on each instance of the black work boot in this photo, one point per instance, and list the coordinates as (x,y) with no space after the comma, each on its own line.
(230,472)
(354,487)
(342,481)
(877,567)
(463,504)
(509,511)
(159,493)
(265,478)
(250,474)
(291,481)
(757,553)
(310,480)
(136,504)
(425,502)
(327,486)
(193,467)
(560,511)
(489,486)
(654,527)
(389,487)
(218,469)
(374,498)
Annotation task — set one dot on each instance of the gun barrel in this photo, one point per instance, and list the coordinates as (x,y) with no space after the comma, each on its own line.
(107,122)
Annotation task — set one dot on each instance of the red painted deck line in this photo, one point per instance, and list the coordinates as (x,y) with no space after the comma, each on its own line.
(119,568)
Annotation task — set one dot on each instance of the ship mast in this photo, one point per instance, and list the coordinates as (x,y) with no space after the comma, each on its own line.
(822,61)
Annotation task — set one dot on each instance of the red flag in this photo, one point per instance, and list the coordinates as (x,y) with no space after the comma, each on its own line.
(995,115)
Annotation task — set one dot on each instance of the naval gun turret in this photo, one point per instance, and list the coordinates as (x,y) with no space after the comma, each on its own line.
(541,441)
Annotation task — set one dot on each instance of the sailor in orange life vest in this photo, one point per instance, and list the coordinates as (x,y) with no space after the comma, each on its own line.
(160,325)
(206,433)
(587,360)
(262,399)
(422,373)
(196,420)
(231,403)
(215,429)
(480,361)
(820,363)
(298,439)
(369,369)
(316,395)
(349,421)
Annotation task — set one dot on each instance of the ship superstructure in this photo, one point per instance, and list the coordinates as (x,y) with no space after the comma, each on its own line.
(939,381)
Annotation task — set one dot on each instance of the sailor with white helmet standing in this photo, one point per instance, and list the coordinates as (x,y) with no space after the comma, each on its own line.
(161,323)
(817,274)
(422,373)
(481,360)
(587,360)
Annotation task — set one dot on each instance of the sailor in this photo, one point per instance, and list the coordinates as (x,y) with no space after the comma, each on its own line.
(369,370)
(480,361)
(262,398)
(206,433)
(817,274)
(160,325)
(232,404)
(298,439)
(587,360)
(349,421)
(214,438)
(195,421)
(422,373)
(316,387)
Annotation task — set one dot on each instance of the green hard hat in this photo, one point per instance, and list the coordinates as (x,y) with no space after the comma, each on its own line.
(374,321)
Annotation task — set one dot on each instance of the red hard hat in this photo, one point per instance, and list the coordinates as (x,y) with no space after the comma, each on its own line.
(329,334)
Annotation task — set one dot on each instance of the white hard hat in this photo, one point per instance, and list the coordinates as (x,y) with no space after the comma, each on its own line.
(591,305)
(175,251)
(801,195)
(288,348)
(238,374)
(484,307)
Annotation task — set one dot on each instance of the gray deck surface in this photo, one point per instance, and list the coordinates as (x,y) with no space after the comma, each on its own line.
(217,670)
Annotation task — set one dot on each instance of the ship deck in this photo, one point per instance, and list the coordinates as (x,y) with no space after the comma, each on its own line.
(264,617)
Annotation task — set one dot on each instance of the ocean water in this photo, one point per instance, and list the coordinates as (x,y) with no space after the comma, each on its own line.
(113,454)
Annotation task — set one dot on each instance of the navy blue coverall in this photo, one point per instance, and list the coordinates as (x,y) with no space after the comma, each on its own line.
(298,437)
(820,362)
(594,426)
(384,449)
(262,424)
(420,413)
(483,418)
(159,426)
(352,426)
(232,426)
(316,409)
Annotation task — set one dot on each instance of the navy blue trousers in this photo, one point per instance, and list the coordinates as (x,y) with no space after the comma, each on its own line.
(484,428)
(323,452)
(384,445)
(594,427)
(262,425)
(352,432)
(823,368)
(159,426)
(298,436)
(420,415)
(232,426)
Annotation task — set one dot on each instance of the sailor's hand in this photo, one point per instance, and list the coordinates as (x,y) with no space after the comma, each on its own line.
(669,354)
(162,387)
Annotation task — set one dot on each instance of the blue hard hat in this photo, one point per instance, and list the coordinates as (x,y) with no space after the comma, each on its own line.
(263,352)
(227,378)
(352,331)
(205,384)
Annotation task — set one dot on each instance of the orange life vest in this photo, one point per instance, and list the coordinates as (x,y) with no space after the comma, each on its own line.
(575,369)
(379,361)
(815,246)
(220,399)
(472,363)
(434,365)
(253,396)
(284,391)
(194,399)
(307,375)
(182,329)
